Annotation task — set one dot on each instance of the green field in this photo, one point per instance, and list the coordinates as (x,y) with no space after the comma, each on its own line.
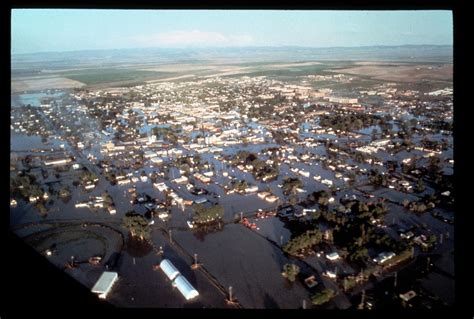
(100,76)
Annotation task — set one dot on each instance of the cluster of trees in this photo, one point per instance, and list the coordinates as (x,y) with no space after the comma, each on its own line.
(323,296)
(418,207)
(108,201)
(368,211)
(240,185)
(137,225)
(65,191)
(420,186)
(320,197)
(330,217)
(349,122)
(165,133)
(260,169)
(282,138)
(290,271)
(204,215)
(290,184)
(378,179)
(88,176)
(303,241)
(26,186)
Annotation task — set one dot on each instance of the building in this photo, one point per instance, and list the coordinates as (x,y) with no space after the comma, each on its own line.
(383,257)
(103,286)
(61,161)
(185,288)
(342,100)
(169,269)
(333,256)
(181,180)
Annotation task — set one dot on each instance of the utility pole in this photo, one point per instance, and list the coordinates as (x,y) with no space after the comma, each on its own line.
(171,239)
(241,216)
(395,281)
(361,305)
(195,265)
(428,263)
(304,304)
(230,293)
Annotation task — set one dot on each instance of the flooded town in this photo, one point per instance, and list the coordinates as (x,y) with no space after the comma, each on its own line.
(309,182)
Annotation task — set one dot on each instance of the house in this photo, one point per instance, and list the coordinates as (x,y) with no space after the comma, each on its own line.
(33,199)
(408,295)
(262,195)
(326,182)
(271,198)
(383,257)
(103,286)
(311,281)
(123,181)
(150,154)
(181,180)
(304,173)
(156,160)
(161,186)
(201,200)
(333,256)
(251,189)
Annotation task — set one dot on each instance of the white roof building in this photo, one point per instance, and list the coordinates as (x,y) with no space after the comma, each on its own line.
(333,256)
(169,269)
(185,288)
(103,286)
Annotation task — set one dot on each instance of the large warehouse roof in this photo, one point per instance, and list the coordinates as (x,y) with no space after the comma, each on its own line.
(169,269)
(185,288)
(105,283)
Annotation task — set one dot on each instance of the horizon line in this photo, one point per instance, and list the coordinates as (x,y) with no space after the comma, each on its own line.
(233,47)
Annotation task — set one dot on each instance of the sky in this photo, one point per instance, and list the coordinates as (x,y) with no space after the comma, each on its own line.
(57,30)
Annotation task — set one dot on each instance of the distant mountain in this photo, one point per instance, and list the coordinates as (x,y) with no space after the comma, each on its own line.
(107,58)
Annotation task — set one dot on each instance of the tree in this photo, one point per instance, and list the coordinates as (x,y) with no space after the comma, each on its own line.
(374,134)
(322,297)
(359,254)
(293,199)
(42,209)
(240,185)
(64,191)
(137,225)
(306,240)
(290,271)
(204,215)
(420,186)
(290,185)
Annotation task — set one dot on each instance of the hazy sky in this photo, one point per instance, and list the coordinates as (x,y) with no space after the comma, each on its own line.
(42,30)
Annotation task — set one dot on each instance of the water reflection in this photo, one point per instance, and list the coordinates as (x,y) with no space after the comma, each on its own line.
(201,232)
(138,248)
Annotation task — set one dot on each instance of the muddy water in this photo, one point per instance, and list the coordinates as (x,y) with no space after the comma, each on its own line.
(247,262)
